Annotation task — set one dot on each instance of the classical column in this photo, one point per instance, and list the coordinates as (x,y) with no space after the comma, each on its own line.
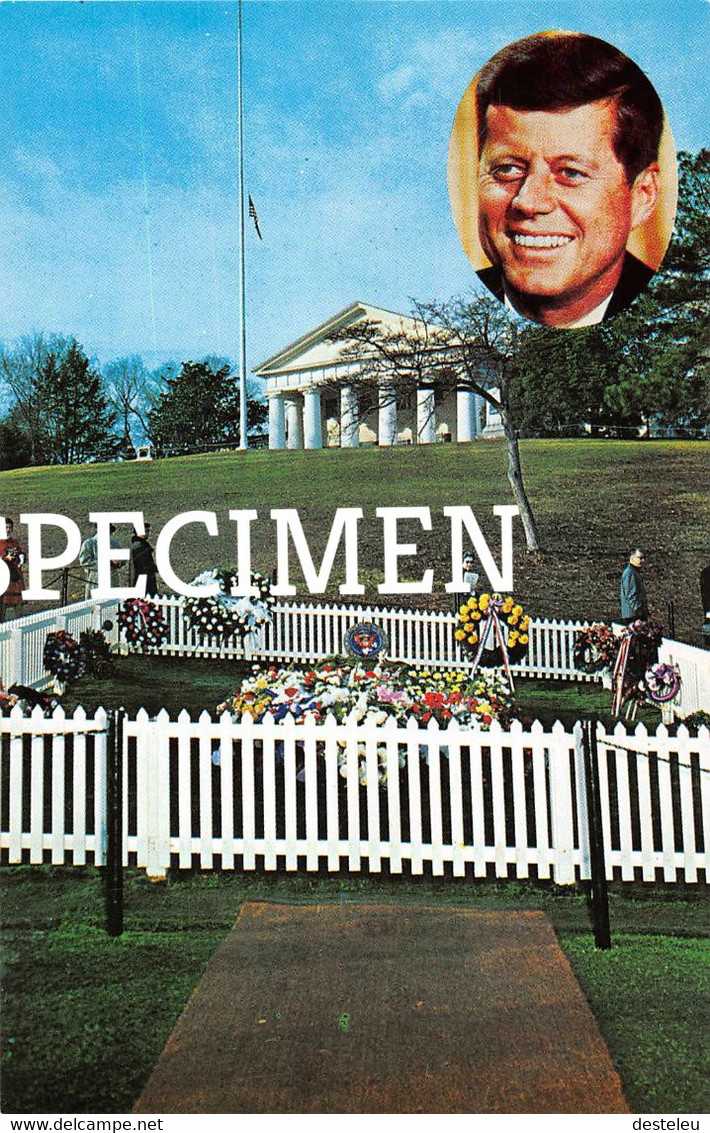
(349,424)
(387,416)
(466,424)
(294,424)
(312,420)
(426,417)
(277,421)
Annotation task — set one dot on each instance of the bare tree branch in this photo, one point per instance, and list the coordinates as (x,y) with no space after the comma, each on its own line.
(461,344)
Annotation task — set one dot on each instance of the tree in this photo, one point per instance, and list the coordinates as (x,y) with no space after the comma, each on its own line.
(14,444)
(77,419)
(680,289)
(57,402)
(648,365)
(466,343)
(131,391)
(22,375)
(199,408)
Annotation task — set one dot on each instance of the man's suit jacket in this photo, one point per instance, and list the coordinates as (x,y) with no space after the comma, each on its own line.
(635,275)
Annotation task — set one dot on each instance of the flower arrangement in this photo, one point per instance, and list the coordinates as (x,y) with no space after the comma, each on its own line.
(638,653)
(225,615)
(97,653)
(662,682)
(370,694)
(14,557)
(63,657)
(7,699)
(142,623)
(648,632)
(595,648)
(474,627)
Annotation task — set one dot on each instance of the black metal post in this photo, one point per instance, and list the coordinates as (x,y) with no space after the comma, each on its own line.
(114,808)
(65,587)
(671,618)
(600,896)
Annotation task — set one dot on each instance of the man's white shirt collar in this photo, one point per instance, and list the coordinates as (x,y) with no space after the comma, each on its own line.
(588,320)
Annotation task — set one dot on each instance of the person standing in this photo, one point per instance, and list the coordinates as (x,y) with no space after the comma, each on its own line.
(470,580)
(143,562)
(634,603)
(89,560)
(13,554)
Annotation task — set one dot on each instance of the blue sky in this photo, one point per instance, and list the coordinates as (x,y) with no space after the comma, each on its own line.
(118,187)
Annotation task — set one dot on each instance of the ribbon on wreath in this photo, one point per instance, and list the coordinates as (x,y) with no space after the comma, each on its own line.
(619,674)
(492,625)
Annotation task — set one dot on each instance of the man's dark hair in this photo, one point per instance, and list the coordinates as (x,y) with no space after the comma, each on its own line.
(560,71)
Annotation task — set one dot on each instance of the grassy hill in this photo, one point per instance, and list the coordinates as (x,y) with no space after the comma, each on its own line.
(594,500)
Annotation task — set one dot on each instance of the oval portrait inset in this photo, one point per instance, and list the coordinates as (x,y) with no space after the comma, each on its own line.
(563,178)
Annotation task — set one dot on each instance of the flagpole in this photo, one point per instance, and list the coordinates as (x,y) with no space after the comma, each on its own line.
(243,441)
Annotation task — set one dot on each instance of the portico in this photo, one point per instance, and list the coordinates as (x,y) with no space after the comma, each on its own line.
(317,396)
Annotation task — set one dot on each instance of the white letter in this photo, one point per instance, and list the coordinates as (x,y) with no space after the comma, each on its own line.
(345,519)
(395,550)
(463,517)
(106,554)
(162,553)
(243,520)
(35,591)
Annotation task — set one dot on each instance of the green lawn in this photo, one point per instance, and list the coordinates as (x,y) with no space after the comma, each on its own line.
(594,500)
(85,1016)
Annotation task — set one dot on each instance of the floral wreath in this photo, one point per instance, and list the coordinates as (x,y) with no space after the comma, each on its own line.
(476,623)
(142,623)
(225,614)
(662,682)
(98,659)
(638,652)
(63,657)
(595,648)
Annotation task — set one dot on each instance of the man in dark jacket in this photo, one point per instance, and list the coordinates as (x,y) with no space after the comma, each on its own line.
(634,603)
(143,562)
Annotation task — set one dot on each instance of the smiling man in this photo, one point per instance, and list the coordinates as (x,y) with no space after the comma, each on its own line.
(568,136)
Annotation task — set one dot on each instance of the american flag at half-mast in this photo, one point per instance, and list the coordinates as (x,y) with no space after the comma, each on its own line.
(255,218)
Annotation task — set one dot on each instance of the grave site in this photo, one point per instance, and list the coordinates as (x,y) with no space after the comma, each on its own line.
(399,849)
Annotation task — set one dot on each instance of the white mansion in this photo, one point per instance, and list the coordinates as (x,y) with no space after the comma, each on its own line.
(314,400)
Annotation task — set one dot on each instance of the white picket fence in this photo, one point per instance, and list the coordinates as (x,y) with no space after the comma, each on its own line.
(219,793)
(22,640)
(308,633)
(416,637)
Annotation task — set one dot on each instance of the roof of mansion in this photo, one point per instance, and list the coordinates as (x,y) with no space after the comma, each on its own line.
(316,349)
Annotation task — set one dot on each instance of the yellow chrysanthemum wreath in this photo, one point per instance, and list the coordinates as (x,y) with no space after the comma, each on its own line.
(514,622)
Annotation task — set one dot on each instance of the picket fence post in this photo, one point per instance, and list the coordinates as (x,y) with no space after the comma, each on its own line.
(561,803)
(153,746)
(17,660)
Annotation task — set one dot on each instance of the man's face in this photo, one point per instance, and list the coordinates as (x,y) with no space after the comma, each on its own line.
(555,208)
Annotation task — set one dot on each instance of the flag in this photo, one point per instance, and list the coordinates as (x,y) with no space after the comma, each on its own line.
(255,218)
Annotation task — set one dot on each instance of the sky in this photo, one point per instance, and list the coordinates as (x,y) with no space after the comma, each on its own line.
(119,179)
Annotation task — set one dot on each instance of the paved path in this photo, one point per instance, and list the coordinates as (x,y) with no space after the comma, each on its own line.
(356,1008)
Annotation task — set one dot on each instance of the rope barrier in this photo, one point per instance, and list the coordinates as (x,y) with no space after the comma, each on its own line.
(637,751)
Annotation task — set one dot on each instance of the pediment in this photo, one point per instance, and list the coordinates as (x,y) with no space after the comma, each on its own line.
(315,350)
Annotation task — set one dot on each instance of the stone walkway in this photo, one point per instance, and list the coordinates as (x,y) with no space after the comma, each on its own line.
(358,1008)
